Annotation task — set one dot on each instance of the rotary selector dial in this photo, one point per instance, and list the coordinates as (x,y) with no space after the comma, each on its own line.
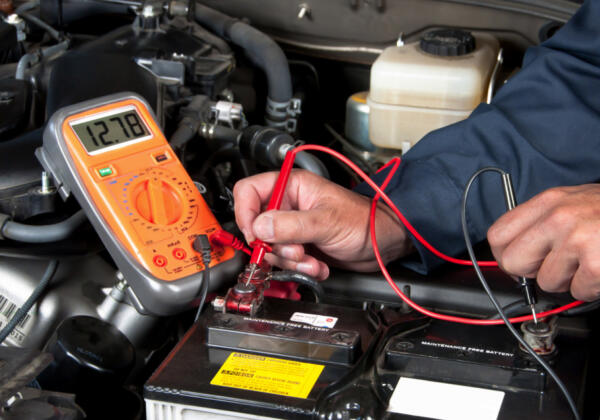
(157,201)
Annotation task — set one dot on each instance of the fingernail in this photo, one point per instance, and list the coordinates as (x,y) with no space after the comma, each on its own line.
(289,253)
(324,271)
(305,268)
(263,227)
(247,235)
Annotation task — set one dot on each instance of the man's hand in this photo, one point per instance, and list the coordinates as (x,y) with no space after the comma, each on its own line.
(555,237)
(318,212)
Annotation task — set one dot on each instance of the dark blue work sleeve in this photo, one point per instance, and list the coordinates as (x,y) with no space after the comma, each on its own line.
(543,127)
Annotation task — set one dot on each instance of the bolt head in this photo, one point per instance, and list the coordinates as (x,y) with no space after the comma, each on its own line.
(7,97)
(13,19)
(403,345)
(218,304)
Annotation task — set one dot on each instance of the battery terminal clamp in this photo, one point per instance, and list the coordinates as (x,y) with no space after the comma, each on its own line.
(247,296)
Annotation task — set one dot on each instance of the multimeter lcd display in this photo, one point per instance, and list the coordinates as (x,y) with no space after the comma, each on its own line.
(110,130)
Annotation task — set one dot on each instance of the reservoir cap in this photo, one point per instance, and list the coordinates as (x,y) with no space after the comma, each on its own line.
(448,42)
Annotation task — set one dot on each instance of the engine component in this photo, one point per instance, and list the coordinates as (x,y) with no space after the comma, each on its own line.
(269,146)
(116,308)
(41,233)
(18,369)
(112,156)
(277,365)
(265,144)
(192,116)
(87,350)
(11,33)
(18,400)
(75,290)
(267,55)
(178,44)
(228,113)
(149,14)
(90,357)
(15,103)
(405,98)
(64,12)
(357,121)
(21,196)
(448,43)
(37,404)
(71,75)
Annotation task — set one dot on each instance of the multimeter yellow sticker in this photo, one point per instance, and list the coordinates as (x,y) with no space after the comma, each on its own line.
(112,155)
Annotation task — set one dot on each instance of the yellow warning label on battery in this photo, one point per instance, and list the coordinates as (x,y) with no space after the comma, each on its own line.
(268,374)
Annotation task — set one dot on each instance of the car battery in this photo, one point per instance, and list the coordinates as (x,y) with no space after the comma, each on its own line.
(298,360)
(274,365)
(485,367)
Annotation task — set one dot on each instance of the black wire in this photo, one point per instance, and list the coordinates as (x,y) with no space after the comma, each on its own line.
(203,246)
(31,300)
(511,309)
(300,278)
(547,368)
(205,281)
(582,309)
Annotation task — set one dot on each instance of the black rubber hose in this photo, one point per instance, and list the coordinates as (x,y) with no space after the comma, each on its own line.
(260,48)
(300,278)
(35,295)
(42,233)
(189,124)
(213,40)
(311,163)
(43,25)
(184,133)
(221,134)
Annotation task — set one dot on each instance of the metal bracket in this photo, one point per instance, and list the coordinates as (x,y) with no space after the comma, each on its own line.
(167,72)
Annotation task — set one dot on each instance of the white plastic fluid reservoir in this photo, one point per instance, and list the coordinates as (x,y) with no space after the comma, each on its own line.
(422,86)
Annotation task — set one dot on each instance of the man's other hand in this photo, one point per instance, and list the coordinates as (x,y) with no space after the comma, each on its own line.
(555,237)
(315,211)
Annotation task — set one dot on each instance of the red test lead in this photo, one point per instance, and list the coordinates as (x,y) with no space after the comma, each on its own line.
(260,248)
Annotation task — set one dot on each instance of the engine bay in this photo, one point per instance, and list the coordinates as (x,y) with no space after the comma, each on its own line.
(232,89)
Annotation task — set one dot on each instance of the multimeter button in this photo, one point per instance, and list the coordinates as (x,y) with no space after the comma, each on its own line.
(159,261)
(160,157)
(179,253)
(105,171)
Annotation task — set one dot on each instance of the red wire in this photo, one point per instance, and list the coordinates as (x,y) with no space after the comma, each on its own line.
(389,202)
(381,194)
(415,306)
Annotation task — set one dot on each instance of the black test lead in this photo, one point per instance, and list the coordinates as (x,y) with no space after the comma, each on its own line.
(527,284)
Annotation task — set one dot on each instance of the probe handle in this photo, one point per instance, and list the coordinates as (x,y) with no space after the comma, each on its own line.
(527,284)
(260,248)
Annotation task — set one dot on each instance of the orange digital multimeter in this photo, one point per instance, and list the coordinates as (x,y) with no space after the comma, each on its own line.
(111,154)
